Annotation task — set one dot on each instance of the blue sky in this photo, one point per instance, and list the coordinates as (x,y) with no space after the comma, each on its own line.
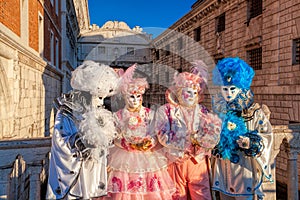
(153,16)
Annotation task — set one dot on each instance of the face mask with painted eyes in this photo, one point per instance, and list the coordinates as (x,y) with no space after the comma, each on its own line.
(188,97)
(133,101)
(230,92)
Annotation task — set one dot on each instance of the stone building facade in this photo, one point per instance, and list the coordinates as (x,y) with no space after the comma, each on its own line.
(264,33)
(29,73)
(115,44)
(74,20)
(32,75)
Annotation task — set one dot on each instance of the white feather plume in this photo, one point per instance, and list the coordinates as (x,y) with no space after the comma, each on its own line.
(98,130)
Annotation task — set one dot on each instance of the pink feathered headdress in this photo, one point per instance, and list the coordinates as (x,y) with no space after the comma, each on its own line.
(186,79)
(130,85)
(200,68)
(196,79)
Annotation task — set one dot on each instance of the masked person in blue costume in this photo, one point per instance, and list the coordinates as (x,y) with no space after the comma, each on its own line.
(83,132)
(242,157)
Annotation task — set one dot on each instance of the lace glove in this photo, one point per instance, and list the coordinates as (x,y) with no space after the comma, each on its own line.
(256,145)
(243,142)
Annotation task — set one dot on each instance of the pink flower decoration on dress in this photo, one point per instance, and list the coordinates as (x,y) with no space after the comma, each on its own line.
(134,122)
(117,184)
(155,184)
(135,185)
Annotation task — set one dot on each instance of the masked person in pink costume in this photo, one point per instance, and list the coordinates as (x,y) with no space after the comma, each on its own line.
(242,157)
(188,131)
(136,169)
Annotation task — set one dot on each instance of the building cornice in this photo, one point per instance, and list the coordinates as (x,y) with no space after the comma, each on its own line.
(15,43)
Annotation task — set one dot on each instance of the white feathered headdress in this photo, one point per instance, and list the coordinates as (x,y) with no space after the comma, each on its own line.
(98,79)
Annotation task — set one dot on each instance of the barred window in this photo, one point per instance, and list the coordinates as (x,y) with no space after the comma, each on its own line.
(157,54)
(197,34)
(296,51)
(180,43)
(254,57)
(220,23)
(167,50)
(254,8)
(167,77)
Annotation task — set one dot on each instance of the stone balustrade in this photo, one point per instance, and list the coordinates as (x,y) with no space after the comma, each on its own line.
(24,168)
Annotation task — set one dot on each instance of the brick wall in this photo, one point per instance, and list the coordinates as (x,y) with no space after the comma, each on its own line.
(34,8)
(276,84)
(10,15)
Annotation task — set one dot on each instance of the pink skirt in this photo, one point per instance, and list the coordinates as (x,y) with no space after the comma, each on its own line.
(138,175)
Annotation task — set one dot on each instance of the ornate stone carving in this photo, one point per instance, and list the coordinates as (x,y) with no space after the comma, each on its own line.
(254,32)
(115,25)
(137,29)
(220,43)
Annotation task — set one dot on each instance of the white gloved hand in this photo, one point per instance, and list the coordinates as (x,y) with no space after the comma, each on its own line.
(243,142)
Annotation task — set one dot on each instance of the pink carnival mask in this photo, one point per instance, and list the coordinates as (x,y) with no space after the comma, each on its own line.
(133,101)
(188,96)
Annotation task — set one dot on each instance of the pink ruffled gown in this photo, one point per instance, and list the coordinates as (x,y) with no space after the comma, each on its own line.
(137,168)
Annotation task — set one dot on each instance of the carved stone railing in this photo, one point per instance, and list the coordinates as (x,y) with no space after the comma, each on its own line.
(24,168)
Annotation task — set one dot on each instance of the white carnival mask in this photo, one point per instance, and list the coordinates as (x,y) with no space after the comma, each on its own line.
(230,92)
(97,101)
(188,96)
(133,101)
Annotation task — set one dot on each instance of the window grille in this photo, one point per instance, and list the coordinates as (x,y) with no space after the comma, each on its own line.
(167,77)
(157,54)
(180,43)
(220,23)
(255,58)
(167,50)
(296,51)
(254,8)
(197,34)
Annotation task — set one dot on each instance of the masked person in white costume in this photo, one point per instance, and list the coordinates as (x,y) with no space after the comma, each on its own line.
(83,132)
(242,157)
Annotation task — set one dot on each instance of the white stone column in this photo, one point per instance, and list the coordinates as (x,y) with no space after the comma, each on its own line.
(293,149)
(292,179)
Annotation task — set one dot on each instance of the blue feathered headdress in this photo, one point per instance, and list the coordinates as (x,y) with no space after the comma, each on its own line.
(233,71)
